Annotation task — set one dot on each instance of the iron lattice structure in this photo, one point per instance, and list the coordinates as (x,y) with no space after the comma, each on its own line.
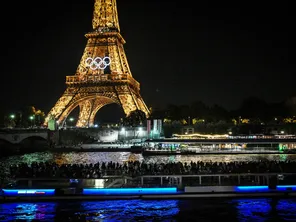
(103,75)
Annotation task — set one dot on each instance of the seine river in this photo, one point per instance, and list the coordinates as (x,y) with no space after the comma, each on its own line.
(261,209)
(94,157)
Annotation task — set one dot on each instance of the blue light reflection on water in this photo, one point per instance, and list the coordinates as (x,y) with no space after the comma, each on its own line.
(109,210)
(265,209)
(245,209)
(28,211)
(125,210)
(287,209)
(252,209)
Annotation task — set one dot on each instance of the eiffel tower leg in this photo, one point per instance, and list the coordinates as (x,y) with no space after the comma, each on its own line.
(61,109)
(84,113)
(90,106)
(98,103)
(142,105)
(132,101)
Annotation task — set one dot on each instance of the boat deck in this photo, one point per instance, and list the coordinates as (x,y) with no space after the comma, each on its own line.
(152,187)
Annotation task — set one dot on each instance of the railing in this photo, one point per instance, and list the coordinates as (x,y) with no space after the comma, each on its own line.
(23,130)
(221,179)
(168,180)
(101,78)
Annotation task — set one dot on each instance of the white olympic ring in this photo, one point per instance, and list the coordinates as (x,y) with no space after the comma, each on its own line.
(97,63)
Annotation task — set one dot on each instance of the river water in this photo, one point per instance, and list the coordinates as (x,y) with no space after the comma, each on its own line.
(94,157)
(263,209)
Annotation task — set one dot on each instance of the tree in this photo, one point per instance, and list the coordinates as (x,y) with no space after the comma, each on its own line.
(218,113)
(291,106)
(253,107)
(136,118)
(38,115)
(199,110)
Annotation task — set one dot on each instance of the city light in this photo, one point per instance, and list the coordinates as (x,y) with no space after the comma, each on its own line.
(286,187)
(30,192)
(129,191)
(251,189)
(12,116)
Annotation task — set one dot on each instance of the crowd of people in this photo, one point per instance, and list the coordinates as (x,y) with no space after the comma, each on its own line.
(136,168)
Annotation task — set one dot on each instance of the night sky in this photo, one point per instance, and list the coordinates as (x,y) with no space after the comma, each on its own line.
(179,52)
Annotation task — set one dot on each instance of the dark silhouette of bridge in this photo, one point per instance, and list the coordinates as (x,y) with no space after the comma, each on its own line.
(16,136)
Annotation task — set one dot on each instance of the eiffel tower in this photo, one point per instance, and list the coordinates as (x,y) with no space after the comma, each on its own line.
(103,75)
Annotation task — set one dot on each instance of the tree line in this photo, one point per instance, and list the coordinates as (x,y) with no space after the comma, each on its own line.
(251,110)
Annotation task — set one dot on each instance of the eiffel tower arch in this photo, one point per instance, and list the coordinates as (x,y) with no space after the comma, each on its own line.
(103,75)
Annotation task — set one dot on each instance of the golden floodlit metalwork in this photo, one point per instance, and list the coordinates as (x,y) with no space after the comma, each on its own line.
(91,88)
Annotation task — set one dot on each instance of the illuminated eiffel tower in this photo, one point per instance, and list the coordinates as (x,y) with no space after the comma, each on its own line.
(103,75)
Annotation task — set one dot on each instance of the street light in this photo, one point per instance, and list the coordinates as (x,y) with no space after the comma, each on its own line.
(31,118)
(71,119)
(123,131)
(140,130)
(12,122)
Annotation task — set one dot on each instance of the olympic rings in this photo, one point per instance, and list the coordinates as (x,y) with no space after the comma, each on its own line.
(97,63)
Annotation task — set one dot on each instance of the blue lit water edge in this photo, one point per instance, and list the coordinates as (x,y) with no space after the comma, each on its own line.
(261,209)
